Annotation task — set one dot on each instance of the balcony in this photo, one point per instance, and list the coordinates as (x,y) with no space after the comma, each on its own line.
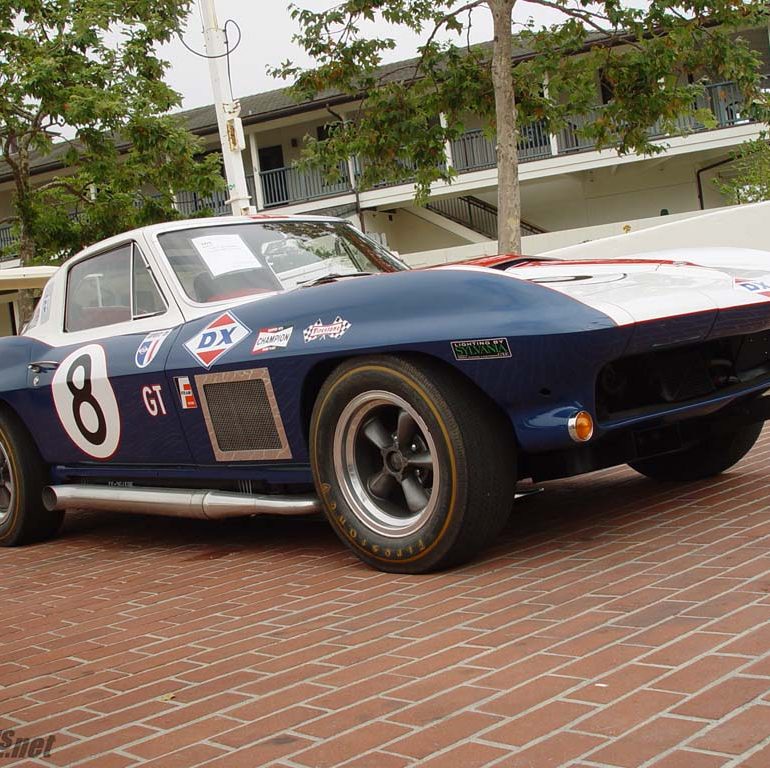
(473,151)
(7,243)
(723,100)
(190,203)
(283,186)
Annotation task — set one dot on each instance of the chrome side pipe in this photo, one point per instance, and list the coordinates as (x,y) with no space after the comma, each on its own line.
(176,502)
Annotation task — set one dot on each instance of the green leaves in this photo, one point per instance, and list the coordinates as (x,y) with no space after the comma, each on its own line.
(748,179)
(90,68)
(654,59)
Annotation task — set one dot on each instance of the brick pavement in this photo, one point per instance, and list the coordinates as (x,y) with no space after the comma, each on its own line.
(618,622)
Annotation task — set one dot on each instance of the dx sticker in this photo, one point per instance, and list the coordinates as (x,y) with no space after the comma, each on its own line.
(85,402)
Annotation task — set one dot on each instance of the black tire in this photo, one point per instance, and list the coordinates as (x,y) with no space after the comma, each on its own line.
(711,456)
(467,487)
(23,519)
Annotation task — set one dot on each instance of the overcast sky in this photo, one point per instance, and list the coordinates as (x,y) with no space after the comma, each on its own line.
(267,31)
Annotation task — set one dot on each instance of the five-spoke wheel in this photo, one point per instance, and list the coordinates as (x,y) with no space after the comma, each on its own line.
(416,468)
(384,456)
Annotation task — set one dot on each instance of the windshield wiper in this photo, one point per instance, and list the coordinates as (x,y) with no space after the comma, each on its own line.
(331,278)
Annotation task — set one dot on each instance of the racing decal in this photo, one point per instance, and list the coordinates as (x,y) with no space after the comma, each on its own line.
(270,339)
(186,394)
(481,349)
(149,348)
(756,285)
(216,339)
(320,330)
(153,400)
(85,402)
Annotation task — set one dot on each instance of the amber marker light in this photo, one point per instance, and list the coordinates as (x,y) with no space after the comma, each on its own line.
(581,427)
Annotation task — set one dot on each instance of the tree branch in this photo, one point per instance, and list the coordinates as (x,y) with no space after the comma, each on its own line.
(438,25)
(587,17)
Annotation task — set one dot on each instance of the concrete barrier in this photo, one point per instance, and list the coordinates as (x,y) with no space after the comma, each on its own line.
(742,226)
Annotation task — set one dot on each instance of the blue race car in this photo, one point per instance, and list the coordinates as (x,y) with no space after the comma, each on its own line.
(233,367)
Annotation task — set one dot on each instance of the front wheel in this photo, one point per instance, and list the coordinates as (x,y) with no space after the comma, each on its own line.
(415,467)
(708,457)
(23,519)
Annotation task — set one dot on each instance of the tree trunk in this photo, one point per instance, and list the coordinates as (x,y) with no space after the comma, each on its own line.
(508,193)
(26,301)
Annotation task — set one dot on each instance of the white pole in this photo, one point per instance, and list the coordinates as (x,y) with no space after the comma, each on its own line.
(228,120)
(257,177)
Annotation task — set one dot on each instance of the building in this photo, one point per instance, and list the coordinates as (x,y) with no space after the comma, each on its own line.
(567,185)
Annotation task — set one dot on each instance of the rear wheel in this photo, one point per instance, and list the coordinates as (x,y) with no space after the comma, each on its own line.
(416,468)
(710,456)
(23,519)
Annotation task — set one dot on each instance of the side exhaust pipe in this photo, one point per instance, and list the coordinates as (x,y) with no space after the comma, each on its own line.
(176,502)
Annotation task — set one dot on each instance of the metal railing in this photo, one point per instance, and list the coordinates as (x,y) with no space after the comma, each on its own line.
(473,151)
(727,103)
(476,214)
(282,186)
(571,139)
(190,203)
(724,100)
(8,243)
(468,211)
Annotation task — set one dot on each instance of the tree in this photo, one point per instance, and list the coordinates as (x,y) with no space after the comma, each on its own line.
(80,80)
(750,180)
(653,60)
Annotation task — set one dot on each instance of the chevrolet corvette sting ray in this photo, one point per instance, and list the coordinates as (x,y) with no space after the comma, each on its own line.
(233,367)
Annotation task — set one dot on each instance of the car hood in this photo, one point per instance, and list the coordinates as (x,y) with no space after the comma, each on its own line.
(654,285)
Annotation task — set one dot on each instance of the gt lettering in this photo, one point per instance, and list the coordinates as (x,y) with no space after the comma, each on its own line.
(153,400)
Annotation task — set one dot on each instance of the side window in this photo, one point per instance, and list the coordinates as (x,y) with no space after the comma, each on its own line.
(99,291)
(148,300)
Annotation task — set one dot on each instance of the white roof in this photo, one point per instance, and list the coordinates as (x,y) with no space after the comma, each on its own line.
(15,278)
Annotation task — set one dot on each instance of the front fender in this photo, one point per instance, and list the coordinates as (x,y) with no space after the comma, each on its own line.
(557,344)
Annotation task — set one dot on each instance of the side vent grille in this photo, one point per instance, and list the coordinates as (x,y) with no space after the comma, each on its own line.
(242,416)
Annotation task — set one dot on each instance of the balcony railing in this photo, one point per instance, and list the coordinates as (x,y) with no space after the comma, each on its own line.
(283,186)
(473,151)
(724,100)
(190,203)
(7,243)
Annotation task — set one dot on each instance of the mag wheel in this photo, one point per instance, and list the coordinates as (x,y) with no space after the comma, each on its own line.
(23,518)
(415,467)
(712,455)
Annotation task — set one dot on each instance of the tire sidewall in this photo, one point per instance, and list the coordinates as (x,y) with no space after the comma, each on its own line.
(430,543)
(10,527)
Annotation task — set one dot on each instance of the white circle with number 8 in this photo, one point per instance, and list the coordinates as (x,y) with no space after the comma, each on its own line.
(86,403)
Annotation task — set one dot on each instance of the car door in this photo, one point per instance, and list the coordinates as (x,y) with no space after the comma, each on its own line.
(99,392)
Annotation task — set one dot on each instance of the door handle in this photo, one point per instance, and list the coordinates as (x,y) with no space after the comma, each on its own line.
(43,365)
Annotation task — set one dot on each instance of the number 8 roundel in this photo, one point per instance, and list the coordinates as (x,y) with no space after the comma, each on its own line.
(86,403)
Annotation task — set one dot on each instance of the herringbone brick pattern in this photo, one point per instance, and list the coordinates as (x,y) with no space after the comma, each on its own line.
(618,622)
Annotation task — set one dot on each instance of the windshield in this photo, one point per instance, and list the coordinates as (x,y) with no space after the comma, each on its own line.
(230,261)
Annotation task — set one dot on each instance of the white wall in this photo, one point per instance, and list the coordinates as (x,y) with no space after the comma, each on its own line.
(406,232)
(746,226)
